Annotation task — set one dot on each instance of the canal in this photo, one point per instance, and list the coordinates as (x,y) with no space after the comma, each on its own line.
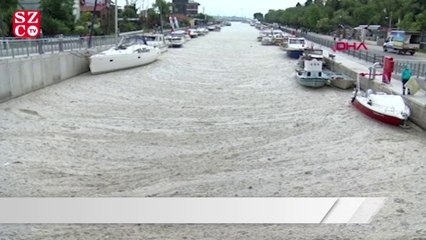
(221,117)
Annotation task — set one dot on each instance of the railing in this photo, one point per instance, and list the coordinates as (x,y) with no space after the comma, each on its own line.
(361,54)
(418,68)
(26,47)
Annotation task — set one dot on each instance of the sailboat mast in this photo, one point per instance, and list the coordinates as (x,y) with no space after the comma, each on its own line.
(116,22)
(92,26)
(161,15)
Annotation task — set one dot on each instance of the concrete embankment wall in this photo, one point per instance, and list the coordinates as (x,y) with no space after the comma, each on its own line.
(22,75)
(417,107)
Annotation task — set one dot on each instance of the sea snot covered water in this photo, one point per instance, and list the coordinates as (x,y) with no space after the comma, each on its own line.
(221,117)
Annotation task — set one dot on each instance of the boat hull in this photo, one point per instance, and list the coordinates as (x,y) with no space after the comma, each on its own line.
(342,83)
(312,82)
(392,120)
(109,63)
(294,53)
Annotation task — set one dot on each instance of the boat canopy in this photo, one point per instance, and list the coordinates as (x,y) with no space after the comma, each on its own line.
(132,40)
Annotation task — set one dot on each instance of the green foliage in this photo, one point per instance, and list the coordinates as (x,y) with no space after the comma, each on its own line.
(258,16)
(57,16)
(129,11)
(52,26)
(326,15)
(7,7)
(82,26)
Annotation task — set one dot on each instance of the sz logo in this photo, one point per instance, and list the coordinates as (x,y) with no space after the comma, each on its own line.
(26,23)
(342,46)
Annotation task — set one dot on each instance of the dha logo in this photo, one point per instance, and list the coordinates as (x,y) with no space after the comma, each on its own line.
(26,23)
(342,46)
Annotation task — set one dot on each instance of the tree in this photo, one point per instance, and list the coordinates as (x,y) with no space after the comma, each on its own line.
(323,15)
(126,25)
(7,7)
(57,16)
(84,23)
(258,16)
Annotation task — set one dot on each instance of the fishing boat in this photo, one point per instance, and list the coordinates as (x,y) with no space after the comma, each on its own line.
(311,75)
(132,51)
(295,47)
(311,53)
(387,108)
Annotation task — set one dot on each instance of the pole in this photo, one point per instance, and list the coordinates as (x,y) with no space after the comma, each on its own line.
(116,22)
(390,22)
(161,15)
(92,26)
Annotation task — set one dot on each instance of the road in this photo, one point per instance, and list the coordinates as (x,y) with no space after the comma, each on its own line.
(374,48)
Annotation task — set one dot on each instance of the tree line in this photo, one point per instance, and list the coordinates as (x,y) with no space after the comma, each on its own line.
(326,15)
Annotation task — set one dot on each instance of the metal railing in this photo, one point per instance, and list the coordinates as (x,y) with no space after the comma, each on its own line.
(26,47)
(418,68)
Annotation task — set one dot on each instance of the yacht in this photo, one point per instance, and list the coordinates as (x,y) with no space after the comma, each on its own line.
(132,51)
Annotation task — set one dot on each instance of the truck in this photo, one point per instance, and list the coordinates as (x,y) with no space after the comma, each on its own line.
(402,42)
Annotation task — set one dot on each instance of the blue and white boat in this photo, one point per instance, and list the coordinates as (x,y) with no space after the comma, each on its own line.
(295,47)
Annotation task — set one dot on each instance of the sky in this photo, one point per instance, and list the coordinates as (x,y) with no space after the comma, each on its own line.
(245,8)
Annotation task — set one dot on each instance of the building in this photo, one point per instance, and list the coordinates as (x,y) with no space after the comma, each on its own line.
(35,4)
(104,11)
(185,7)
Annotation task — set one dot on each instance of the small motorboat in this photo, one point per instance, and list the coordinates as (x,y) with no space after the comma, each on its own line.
(263,33)
(387,108)
(157,41)
(340,80)
(132,51)
(177,38)
(193,33)
(267,40)
(295,47)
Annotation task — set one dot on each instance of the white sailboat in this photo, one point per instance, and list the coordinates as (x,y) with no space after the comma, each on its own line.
(132,51)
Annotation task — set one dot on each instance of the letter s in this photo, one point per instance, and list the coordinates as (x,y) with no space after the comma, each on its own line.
(19,17)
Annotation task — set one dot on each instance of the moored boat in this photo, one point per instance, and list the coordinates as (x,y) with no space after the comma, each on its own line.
(387,108)
(176,38)
(295,47)
(157,41)
(311,75)
(130,52)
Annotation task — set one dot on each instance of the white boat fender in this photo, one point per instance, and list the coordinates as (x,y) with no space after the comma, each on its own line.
(355,93)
